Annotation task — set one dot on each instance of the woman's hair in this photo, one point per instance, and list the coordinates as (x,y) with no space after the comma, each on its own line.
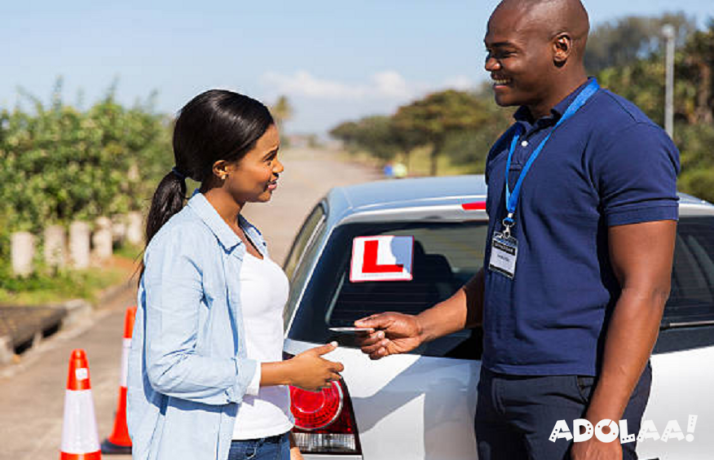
(215,125)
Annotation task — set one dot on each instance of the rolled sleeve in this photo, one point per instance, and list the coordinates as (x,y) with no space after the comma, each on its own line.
(174,292)
(636,176)
(253,386)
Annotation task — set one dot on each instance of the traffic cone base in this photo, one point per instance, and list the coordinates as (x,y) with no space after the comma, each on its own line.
(92,456)
(110,448)
(79,427)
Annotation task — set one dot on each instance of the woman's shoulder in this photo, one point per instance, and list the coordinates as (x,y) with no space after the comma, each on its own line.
(184,229)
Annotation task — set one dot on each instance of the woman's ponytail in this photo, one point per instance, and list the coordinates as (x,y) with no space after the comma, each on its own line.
(168,199)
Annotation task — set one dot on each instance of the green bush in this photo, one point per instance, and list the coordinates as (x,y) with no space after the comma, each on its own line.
(59,163)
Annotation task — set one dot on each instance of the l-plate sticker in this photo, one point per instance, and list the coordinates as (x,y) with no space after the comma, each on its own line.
(382,258)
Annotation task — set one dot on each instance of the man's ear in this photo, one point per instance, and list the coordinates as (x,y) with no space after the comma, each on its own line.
(562,48)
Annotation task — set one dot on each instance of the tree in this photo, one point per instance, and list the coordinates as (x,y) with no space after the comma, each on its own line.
(375,134)
(625,40)
(698,68)
(642,81)
(348,133)
(431,120)
(282,111)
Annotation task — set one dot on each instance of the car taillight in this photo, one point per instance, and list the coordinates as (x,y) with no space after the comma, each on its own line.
(324,421)
(475,206)
(313,411)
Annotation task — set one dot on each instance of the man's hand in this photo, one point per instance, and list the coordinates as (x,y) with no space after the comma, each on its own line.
(594,449)
(394,333)
(399,333)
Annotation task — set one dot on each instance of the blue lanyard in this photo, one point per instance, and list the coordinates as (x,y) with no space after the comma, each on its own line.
(512,198)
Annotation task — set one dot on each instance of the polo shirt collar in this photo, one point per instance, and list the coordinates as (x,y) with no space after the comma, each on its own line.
(208,214)
(524,115)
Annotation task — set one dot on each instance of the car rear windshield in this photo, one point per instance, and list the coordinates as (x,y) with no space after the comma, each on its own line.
(446,255)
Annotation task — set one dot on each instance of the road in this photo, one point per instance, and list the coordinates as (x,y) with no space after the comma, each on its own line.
(32,392)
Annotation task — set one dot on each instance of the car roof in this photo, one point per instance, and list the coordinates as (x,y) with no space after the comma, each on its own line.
(415,197)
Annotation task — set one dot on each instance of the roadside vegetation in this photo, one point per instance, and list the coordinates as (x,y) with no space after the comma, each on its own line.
(61,162)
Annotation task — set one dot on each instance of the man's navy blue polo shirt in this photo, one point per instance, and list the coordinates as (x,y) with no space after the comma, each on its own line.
(607,165)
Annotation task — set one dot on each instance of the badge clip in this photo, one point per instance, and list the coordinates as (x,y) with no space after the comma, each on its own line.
(508,223)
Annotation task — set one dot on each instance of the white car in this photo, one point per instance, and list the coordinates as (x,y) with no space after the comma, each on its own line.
(421,405)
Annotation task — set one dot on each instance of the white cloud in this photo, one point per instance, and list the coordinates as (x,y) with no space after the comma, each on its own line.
(388,85)
(460,82)
(302,83)
(392,84)
(320,103)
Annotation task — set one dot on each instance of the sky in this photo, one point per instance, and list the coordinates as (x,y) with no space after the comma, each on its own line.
(334,60)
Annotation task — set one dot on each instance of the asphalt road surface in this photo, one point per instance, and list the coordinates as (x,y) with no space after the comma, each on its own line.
(32,391)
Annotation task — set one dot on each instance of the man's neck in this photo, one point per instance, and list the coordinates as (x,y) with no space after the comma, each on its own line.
(561,90)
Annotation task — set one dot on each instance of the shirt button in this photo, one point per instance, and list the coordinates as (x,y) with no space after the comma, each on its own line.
(524,144)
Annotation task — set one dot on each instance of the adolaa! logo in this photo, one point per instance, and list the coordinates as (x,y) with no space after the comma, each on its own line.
(609,430)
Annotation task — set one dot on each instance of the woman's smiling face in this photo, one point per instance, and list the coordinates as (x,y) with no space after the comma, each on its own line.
(254,177)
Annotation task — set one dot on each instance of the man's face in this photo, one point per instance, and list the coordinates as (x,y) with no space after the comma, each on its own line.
(519,59)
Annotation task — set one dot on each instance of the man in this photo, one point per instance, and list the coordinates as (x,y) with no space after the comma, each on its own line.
(579,254)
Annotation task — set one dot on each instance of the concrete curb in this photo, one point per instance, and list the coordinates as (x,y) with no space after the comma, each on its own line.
(66,315)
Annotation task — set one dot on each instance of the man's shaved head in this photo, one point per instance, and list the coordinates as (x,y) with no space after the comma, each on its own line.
(550,18)
(535,52)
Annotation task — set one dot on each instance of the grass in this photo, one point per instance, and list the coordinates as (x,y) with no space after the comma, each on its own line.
(418,165)
(42,288)
(128,251)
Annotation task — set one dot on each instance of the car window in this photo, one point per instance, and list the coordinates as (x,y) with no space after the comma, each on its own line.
(692,295)
(688,320)
(300,257)
(445,256)
(303,239)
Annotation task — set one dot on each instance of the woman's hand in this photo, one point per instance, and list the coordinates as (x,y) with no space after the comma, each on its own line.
(309,371)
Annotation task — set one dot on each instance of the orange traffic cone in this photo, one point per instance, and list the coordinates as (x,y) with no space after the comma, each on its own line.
(119,441)
(79,429)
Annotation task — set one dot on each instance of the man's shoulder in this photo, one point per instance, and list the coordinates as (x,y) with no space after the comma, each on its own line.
(615,113)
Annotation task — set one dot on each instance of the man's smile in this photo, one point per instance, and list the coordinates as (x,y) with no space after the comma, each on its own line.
(500,81)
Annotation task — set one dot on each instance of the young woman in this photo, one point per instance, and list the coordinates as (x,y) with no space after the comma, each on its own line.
(206,378)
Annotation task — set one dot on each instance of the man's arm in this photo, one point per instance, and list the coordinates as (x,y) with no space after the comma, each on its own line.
(399,333)
(641,256)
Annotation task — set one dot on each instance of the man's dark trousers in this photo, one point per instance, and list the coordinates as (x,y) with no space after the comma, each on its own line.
(516,415)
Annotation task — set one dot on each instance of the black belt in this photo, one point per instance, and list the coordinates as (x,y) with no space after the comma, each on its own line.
(278,438)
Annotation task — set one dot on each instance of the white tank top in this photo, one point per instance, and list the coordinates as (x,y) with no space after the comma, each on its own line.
(263,294)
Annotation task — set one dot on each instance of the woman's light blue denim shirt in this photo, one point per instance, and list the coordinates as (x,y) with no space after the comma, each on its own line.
(188,369)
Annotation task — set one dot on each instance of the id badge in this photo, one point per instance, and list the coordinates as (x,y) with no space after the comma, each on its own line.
(504,252)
